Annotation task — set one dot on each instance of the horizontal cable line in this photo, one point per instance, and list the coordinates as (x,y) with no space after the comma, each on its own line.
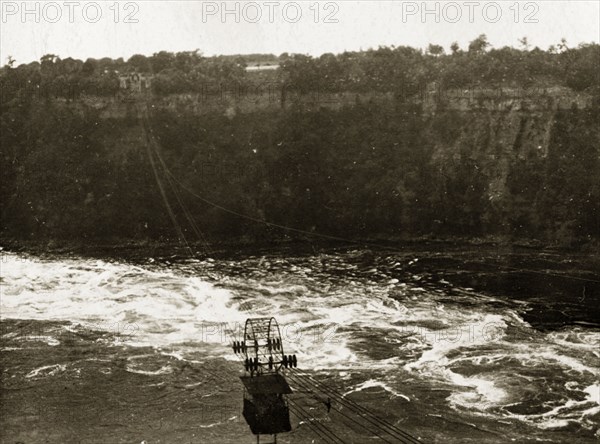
(316,423)
(344,414)
(400,434)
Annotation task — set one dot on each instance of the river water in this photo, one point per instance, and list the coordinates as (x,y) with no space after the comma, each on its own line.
(450,346)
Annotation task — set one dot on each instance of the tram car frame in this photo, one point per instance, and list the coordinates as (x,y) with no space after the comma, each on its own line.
(266,408)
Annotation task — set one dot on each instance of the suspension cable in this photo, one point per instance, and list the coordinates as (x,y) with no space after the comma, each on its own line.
(353,405)
(166,201)
(325,430)
(371,418)
(151,142)
(357,408)
(190,219)
(186,212)
(310,425)
(353,420)
(327,236)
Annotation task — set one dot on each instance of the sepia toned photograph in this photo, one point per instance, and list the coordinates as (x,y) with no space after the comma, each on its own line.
(299,222)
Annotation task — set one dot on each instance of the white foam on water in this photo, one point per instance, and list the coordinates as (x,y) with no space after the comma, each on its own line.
(370,383)
(575,337)
(46,370)
(593,392)
(142,368)
(166,369)
(477,339)
(152,306)
(53,342)
(540,354)
(571,411)
(328,325)
(209,426)
(485,395)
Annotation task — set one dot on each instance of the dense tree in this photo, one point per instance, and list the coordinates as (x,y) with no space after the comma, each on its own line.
(162,60)
(479,45)
(435,50)
(139,63)
(583,68)
(401,70)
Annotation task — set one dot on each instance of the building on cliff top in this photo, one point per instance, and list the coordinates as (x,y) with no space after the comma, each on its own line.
(135,82)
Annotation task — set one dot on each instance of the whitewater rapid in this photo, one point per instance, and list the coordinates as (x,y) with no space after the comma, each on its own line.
(336,315)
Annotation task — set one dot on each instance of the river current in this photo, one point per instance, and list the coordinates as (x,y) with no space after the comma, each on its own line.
(405,336)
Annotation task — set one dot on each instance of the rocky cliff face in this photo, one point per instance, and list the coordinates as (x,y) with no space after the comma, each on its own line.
(518,155)
(356,165)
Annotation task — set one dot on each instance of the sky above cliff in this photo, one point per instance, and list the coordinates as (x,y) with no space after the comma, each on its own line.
(85,29)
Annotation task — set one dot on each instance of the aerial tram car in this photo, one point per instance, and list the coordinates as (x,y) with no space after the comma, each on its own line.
(265,408)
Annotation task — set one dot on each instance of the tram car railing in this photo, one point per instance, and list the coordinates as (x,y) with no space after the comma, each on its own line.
(265,388)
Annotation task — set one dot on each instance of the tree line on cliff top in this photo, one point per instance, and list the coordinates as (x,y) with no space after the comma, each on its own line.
(402,70)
